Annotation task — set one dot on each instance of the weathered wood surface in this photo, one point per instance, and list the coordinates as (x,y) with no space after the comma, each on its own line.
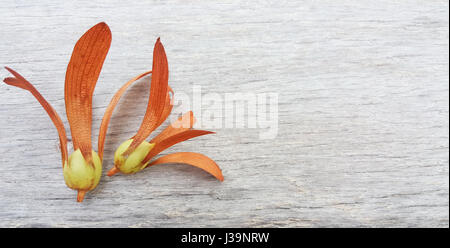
(363,134)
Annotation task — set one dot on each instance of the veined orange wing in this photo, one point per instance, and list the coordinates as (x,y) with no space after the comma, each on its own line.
(157,98)
(81,77)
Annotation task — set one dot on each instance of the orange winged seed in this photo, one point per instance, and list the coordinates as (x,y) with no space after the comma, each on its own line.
(195,159)
(21,82)
(82,74)
(157,97)
(109,110)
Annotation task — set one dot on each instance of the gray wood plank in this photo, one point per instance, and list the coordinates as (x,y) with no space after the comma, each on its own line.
(363,124)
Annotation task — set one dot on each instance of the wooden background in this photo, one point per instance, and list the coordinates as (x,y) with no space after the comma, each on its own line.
(363,138)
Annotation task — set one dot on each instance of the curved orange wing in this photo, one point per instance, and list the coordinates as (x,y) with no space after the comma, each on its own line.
(195,159)
(109,110)
(173,140)
(21,82)
(82,74)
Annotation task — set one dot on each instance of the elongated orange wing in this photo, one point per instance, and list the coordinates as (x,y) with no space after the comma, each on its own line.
(109,110)
(185,122)
(195,159)
(173,140)
(157,98)
(21,82)
(81,77)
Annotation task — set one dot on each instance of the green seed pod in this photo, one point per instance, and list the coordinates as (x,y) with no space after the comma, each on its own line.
(133,162)
(81,175)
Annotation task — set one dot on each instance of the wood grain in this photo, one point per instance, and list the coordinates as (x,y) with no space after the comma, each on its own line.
(363,136)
